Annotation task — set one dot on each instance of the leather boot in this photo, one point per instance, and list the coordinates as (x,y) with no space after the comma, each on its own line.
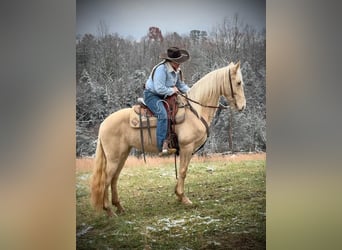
(166,150)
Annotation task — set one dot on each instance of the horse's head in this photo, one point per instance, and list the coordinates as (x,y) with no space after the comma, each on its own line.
(235,94)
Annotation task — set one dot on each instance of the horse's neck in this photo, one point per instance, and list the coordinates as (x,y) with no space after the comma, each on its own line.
(208,113)
(207,92)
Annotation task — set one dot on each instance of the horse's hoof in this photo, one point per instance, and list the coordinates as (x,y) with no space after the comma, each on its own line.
(186,201)
(110,213)
(120,210)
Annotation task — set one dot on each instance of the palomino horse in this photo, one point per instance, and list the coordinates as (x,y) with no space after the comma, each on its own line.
(116,137)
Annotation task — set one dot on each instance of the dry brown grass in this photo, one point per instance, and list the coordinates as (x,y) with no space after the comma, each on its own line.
(86,164)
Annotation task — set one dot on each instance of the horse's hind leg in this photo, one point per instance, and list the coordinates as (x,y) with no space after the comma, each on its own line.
(114,166)
(106,205)
(115,196)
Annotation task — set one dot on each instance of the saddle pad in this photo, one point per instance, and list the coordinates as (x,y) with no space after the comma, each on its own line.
(134,119)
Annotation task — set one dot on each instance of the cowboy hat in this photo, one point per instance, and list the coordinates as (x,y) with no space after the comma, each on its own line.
(176,55)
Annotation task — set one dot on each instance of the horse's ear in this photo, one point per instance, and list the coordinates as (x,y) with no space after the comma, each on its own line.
(236,66)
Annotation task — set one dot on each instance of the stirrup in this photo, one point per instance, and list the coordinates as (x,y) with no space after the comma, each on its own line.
(168,151)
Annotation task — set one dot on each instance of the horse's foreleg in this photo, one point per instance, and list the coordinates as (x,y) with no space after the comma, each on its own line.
(185,158)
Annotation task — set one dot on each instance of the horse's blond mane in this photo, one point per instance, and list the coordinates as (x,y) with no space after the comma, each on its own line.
(209,88)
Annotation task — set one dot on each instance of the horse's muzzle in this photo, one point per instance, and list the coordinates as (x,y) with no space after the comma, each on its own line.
(240,109)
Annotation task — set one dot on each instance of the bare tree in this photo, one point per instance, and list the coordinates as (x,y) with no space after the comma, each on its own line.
(102,29)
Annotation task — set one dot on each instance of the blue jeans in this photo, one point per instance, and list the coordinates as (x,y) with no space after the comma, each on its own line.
(155,104)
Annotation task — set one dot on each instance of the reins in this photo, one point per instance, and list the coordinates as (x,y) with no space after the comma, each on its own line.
(221,106)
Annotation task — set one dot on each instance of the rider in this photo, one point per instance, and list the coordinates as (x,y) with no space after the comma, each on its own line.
(165,80)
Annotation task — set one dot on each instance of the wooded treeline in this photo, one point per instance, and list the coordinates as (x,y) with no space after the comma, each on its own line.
(111,71)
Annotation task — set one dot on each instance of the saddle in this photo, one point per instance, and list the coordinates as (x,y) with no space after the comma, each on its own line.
(142,117)
(149,120)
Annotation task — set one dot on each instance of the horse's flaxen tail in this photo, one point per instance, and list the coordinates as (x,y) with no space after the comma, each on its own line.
(98,182)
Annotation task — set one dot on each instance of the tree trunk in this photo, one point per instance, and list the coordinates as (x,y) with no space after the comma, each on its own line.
(230,131)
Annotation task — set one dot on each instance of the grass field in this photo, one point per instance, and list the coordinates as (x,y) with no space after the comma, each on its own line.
(228,211)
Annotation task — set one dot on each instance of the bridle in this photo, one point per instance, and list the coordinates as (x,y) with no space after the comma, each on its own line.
(231,85)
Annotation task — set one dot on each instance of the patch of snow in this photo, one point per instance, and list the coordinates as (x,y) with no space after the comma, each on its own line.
(84,231)
(151,229)
(213,242)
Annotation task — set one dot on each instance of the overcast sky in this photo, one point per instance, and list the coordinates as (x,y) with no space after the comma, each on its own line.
(134,17)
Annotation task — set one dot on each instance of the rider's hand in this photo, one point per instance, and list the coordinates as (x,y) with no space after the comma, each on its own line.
(175,89)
